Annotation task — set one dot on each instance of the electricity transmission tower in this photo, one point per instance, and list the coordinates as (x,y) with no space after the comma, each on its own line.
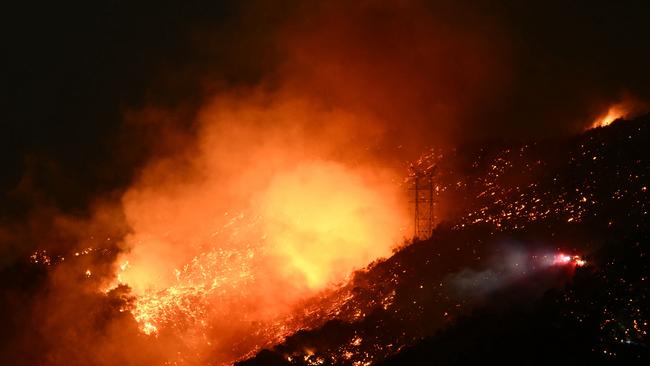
(424,203)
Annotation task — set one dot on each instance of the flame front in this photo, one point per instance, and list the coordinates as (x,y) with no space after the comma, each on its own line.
(223,256)
(613,113)
(627,108)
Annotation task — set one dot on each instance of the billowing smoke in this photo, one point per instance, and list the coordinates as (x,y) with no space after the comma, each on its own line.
(275,200)
(286,187)
(512,263)
(257,161)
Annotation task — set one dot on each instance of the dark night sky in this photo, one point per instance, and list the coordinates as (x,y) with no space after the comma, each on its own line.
(72,70)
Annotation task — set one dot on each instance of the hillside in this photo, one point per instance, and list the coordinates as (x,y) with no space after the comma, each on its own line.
(480,288)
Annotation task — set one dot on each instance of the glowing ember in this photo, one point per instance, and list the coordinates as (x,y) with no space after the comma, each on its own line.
(253,271)
(565,259)
(562,259)
(149,328)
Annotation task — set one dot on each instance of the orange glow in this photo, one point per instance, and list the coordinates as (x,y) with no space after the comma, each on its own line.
(254,218)
(629,107)
(326,221)
(613,113)
(287,187)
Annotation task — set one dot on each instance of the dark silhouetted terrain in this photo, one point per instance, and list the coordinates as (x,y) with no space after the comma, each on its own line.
(475,292)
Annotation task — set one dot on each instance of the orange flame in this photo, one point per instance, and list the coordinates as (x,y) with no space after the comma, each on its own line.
(614,112)
(230,238)
(327,221)
(628,108)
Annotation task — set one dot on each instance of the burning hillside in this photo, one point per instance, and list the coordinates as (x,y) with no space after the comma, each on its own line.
(206,183)
(506,255)
(508,238)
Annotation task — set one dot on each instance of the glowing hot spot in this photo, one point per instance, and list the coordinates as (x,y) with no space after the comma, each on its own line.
(627,108)
(326,221)
(565,259)
(562,259)
(613,113)
(308,226)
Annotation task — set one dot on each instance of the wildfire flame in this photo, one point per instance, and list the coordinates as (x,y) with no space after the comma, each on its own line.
(318,235)
(629,107)
(311,223)
(613,113)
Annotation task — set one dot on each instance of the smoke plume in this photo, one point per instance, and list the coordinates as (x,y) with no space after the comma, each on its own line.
(227,163)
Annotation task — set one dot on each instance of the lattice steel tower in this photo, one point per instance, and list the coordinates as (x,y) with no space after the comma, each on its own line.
(424,203)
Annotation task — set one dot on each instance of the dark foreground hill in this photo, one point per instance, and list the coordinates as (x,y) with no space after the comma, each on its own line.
(482,288)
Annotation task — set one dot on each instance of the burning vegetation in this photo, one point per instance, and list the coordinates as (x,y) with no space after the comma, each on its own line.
(239,277)
(628,108)
(520,246)
(498,262)
(232,183)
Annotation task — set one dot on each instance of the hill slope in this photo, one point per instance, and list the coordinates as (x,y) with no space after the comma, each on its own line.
(480,289)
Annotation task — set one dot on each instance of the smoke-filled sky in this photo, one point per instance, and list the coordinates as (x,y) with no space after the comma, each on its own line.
(81,75)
